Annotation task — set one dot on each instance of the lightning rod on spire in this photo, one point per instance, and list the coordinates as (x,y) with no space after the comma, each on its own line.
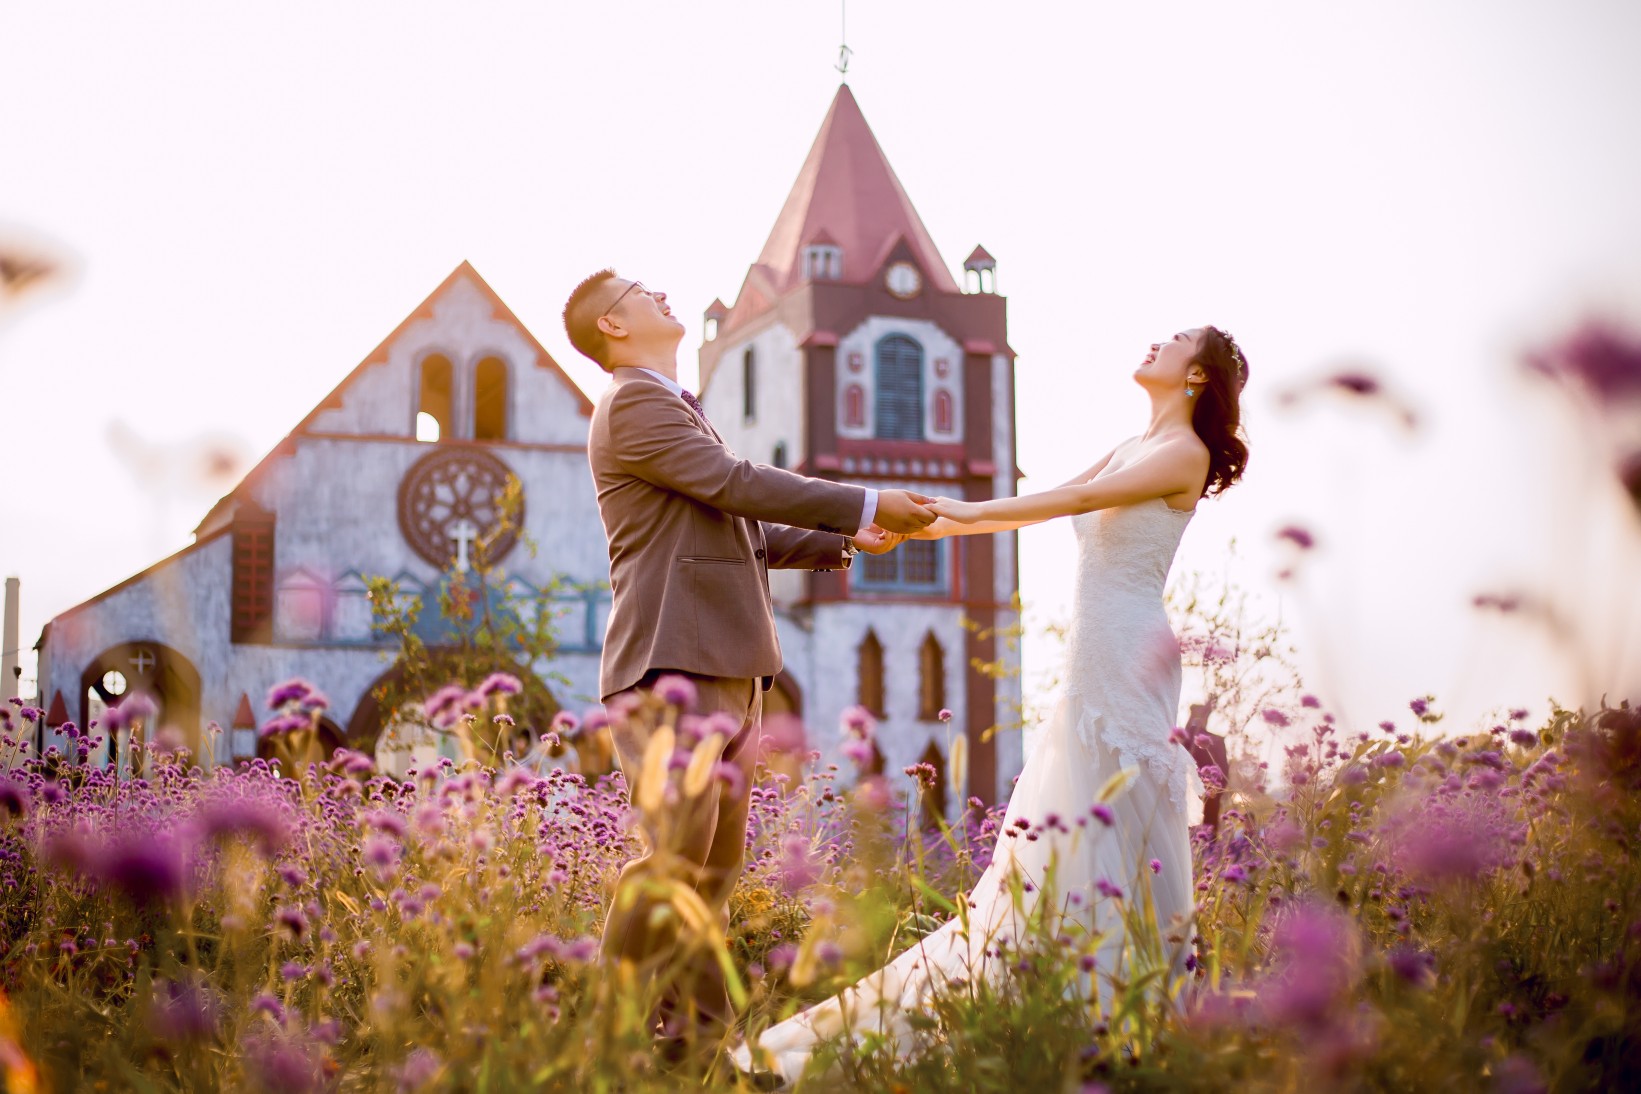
(844,52)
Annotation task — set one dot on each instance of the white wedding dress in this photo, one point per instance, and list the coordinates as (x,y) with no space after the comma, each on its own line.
(1121,700)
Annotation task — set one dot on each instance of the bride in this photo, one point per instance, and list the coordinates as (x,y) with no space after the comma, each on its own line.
(1117,712)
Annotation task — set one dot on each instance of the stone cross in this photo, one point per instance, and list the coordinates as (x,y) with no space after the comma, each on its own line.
(463,532)
(144,661)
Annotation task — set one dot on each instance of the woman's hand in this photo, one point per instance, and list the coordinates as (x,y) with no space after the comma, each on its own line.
(959,512)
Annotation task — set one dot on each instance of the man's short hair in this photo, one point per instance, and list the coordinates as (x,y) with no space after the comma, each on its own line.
(581,315)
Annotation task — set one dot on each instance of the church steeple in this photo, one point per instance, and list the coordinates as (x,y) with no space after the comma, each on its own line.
(848,193)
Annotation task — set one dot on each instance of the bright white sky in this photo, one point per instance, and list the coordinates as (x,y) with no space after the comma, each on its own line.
(252,196)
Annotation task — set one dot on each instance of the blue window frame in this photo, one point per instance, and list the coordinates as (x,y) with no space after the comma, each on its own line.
(917,567)
(898,400)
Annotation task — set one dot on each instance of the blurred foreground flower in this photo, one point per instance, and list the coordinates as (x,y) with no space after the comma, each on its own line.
(1601,366)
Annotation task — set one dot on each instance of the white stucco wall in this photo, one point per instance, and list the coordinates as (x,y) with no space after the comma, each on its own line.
(778,396)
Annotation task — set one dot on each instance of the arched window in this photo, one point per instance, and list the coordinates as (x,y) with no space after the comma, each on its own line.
(433,407)
(934,795)
(899,399)
(942,411)
(490,400)
(778,459)
(869,673)
(854,406)
(749,385)
(931,663)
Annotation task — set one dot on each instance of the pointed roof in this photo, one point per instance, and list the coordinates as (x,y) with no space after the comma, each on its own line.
(58,714)
(847,191)
(244,717)
(979,259)
(464,272)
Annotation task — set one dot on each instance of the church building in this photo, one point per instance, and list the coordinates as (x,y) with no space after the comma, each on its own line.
(395,474)
(852,353)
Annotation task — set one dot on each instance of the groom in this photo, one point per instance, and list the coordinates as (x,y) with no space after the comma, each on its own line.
(693,531)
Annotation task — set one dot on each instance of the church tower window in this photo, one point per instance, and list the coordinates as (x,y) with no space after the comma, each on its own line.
(942,411)
(854,406)
(869,674)
(899,396)
(932,683)
(490,400)
(433,408)
(749,384)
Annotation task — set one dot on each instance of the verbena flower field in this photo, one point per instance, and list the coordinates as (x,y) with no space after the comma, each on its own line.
(1460,913)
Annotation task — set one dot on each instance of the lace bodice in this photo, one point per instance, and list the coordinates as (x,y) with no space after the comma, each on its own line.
(1123,665)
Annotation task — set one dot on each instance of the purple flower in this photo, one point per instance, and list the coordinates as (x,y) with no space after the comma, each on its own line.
(385,820)
(1274,717)
(380,853)
(1389,759)
(291,691)
(420,1068)
(944,715)
(281,1064)
(15,799)
(1310,702)
(500,683)
(858,722)
(1607,362)
(260,820)
(1419,707)
(184,1011)
(1526,738)
(293,920)
(783,734)
(1298,536)
(354,763)
(1353,775)
(1412,965)
(1179,736)
(284,723)
(1356,383)
(1156,866)
(1105,888)
(594,719)
(1102,813)
(1234,873)
(136,708)
(676,690)
(797,866)
(859,750)
(566,724)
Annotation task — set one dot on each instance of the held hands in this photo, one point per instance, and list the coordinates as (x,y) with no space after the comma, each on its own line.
(958,512)
(875,541)
(902,512)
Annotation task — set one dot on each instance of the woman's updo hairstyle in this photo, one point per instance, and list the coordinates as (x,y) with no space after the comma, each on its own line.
(1217,416)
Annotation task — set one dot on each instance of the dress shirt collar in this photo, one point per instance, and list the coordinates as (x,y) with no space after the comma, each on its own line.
(672,385)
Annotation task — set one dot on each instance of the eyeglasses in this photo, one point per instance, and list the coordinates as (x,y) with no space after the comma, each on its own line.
(639,285)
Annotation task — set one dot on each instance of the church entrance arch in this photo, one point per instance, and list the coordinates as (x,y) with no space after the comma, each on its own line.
(387,723)
(144,668)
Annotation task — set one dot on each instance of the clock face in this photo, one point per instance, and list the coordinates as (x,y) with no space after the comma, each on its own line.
(903,280)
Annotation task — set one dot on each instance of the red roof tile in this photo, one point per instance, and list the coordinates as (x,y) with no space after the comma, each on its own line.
(847,191)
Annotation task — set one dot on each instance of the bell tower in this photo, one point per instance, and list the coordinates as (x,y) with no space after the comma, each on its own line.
(852,353)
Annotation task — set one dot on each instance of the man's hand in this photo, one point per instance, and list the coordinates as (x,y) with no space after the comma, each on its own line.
(960,512)
(902,511)
(875,541)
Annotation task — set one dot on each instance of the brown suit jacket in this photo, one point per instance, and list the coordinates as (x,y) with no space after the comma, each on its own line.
(693,530)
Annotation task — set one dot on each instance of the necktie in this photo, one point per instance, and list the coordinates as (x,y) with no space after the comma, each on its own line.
(695,405)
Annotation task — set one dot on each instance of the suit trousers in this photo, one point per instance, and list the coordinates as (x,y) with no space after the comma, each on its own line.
(701,842)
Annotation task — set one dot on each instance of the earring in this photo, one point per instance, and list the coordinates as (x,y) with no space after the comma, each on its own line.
(1190,391)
